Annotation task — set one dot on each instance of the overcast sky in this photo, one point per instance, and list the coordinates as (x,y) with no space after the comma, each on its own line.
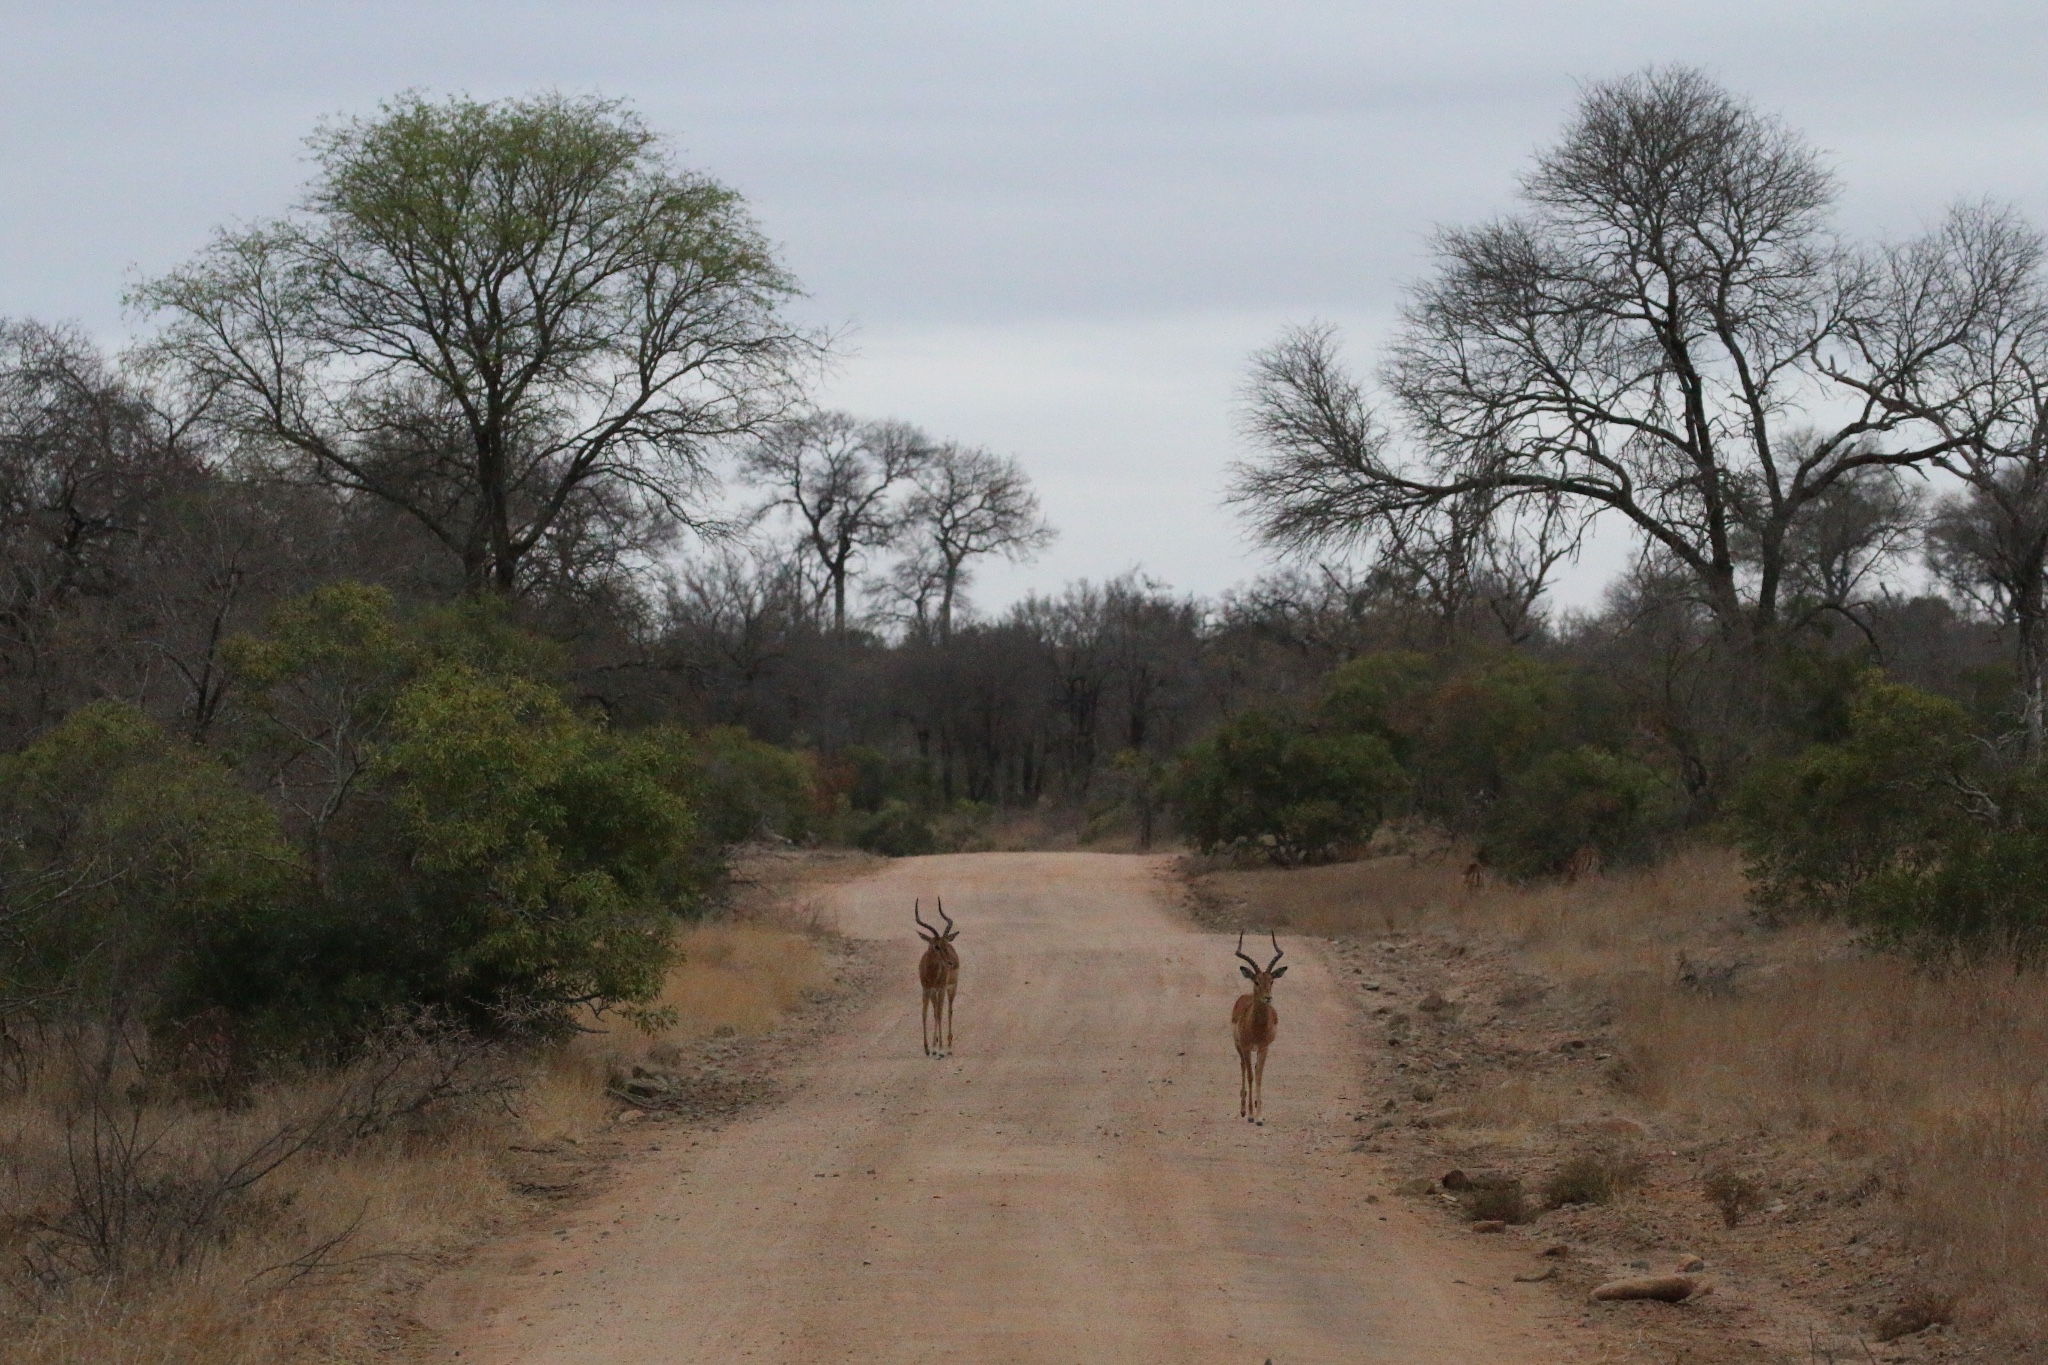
(1054,229)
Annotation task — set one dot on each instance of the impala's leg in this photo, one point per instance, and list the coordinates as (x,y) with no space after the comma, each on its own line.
(1244,1084)
(924,1009)
(951,991)
(1259,1087)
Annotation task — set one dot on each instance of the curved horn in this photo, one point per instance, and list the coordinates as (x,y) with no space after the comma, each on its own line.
(946,917)
(1277,954)
(1253,962)
(914,907)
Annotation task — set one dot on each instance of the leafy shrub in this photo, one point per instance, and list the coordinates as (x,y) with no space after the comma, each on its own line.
(897,830)
(1579,799)
(1817,826)
(131,867)
(473,844)
(1461,734)
(1386,694)
(1267,781)
(509,860)
(1984,895)
(744,789)
(1483,727)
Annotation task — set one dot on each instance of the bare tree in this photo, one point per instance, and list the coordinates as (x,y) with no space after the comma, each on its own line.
(1643,341)
(1990,543)
(969,503)
(733,615)
(1840,553)
(836,476)
(93,485)
(484,313)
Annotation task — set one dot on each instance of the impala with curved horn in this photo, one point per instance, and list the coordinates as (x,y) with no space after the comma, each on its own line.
(1254,1022)
(938,972)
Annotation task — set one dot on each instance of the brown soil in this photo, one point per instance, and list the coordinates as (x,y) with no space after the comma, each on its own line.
(1072,1184)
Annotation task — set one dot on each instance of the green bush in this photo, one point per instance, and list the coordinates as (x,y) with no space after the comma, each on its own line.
(443,831)
(897,830)
(744,789)
(1576,800)
(1483,727)
(509,861)
(473,843)
(1462,734)
(1984,896)
(1817,826)
(1385,694)
(1269,782)
(132,868)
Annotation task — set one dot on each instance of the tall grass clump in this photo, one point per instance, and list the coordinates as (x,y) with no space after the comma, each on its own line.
(1940,1077)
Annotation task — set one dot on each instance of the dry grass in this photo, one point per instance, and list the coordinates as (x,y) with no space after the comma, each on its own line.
(1937,1086)
(743,977)
(733,980)
(132,1236)
(1065,829)
(257,1289)
(1922,1099)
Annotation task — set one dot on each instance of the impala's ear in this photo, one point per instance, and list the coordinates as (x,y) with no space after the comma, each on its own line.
(1247,972)
(1279,972)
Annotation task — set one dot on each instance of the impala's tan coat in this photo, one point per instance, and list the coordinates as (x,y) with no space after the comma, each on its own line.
(938,974)
(1254,1023)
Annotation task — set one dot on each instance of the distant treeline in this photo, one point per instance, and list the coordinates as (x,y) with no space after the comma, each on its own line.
(370,639)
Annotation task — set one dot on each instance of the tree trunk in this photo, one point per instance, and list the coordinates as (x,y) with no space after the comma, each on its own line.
(2031,668)
(503,561)
(950,583)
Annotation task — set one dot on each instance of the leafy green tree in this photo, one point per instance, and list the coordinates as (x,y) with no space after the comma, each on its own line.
(318,687)
(474,843)
(1461,733)
(1483,726)
(505,319)
(1267,781)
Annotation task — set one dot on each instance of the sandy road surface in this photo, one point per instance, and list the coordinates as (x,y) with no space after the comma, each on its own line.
(1073,1185)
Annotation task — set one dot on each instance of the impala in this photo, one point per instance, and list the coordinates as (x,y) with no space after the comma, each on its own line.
(938,972)
(1254,1021)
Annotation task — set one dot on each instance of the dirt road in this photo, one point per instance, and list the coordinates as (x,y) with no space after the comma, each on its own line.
(1072,1185)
